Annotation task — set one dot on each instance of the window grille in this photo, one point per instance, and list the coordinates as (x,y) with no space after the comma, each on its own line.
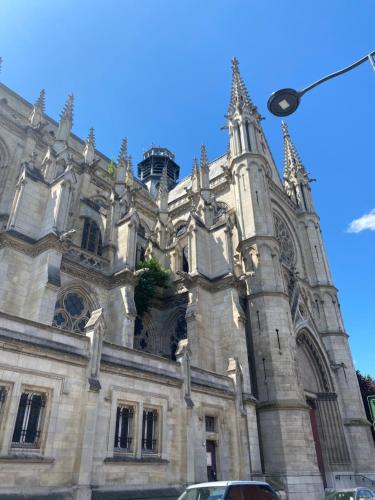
(91,237)
(124,428)
(149,431)
(210,423)
(27,430)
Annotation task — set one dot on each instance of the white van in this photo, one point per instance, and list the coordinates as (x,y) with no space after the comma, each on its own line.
(230,490)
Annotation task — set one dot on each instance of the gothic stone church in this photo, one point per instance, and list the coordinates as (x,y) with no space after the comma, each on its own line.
(240,369)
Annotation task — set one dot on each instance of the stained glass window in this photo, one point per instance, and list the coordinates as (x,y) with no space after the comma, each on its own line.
(72,312)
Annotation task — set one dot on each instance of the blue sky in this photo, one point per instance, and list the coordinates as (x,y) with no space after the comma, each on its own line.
(158,71)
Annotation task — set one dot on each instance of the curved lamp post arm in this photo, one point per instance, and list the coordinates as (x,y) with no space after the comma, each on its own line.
(340,72)
(285,101)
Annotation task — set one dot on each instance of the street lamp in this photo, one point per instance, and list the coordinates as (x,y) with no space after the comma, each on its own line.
(285,101)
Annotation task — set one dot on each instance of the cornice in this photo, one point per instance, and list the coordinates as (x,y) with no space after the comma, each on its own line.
(188,281)
(28,246)
(286,404)
(334,334)
(123,277)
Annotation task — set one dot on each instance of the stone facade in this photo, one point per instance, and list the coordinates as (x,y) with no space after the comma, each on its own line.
(241,369)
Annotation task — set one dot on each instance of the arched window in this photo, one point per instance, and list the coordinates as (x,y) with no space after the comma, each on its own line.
(140,254)
(248,135)
(72,311)
(185,259)
(239,137)
(181,229)
(91,237)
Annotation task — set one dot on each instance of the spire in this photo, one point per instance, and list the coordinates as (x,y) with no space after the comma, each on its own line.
(66,120)
(36,114)
(239,97)
(129,175)
(89,150)
(124,170)
(123,154)
(204,160)
(41,101)
(162,197)
(296,178)
(292,163)
(91,137)
(67,112)
(204,169)
(195,177)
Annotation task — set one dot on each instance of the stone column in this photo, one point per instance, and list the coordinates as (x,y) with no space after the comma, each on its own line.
(192,326)
(183,355)
(235,373)
(94,330)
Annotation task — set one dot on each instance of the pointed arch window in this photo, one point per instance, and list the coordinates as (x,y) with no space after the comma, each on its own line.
(185,259)
(248,135)
(72,311)
(239,137)
(91,237)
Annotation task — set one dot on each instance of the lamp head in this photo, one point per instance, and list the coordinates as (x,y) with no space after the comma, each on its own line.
(284,102)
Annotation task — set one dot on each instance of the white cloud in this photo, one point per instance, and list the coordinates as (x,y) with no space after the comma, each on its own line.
(367,221)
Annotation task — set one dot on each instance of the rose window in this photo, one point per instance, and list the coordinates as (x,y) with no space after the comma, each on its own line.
(72,312)
(284,238)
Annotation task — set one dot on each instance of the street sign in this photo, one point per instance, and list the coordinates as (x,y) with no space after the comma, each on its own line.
(371,405)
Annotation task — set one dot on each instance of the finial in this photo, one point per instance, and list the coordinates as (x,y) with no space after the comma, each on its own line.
(292,161)
(89,150)
(195,167)
(129,175)
(91,137)
(36,115)
(162,196)
(123,155)
(239,97)
(41,101)
(235,65)
(204,160)
(284,128)
(67,112)
(163,185)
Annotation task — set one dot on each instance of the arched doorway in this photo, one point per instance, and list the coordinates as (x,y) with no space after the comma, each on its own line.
(326,423)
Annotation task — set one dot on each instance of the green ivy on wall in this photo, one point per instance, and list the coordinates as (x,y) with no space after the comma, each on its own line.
(155,276)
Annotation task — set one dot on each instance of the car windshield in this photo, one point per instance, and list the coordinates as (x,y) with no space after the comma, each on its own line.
(343,495)
(205,493)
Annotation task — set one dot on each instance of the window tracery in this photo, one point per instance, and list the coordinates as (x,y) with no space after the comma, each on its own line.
(181,229)
(283,236)
(72,311)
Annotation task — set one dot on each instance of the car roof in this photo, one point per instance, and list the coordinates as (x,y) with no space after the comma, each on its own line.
(225,483)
